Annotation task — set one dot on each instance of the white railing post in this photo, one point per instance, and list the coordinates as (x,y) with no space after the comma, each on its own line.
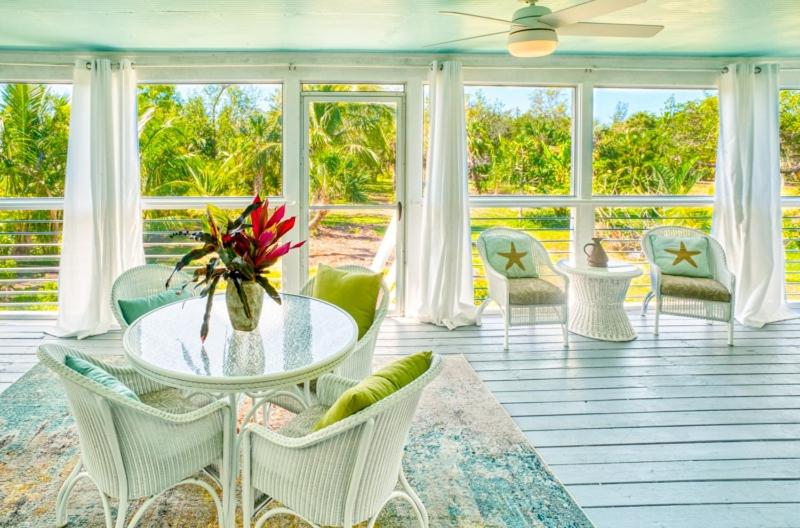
(582,161)
(293,267)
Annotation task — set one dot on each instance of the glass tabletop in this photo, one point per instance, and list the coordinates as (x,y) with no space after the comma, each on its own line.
(295,341)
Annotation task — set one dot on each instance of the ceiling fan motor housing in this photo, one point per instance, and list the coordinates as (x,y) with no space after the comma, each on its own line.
(528,37)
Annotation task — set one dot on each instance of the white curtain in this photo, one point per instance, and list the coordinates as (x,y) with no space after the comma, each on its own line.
(444,284)
(747,210)
(102,211)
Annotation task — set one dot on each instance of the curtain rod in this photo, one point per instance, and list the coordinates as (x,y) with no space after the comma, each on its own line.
(293,66)
(88,63)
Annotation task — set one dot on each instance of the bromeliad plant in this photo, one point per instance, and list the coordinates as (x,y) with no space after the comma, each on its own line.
(242,251)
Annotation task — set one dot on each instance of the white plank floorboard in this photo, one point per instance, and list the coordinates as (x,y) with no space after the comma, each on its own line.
(676,430)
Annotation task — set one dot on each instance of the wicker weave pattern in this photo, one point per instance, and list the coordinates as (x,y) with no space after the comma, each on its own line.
(130,449)
(142,281)
(499,288)
(344,473)
(696,308)
(358,364)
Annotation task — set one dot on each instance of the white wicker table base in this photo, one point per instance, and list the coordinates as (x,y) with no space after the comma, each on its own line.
(596,304)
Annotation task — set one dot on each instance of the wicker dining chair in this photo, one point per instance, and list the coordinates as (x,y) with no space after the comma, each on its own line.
(527,301)
(138,449)
(712,299)
(142,281)
(343,474)
(358,364)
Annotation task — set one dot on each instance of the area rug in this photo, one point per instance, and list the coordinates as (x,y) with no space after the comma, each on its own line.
(470,464)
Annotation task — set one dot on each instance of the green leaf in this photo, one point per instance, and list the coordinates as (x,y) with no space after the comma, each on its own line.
(191,256)
(271,291)
(209,303)
(238,285)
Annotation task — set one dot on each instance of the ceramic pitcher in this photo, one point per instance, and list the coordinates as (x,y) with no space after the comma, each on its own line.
(596,255)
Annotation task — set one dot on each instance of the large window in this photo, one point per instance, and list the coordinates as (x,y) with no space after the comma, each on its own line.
(34,127)
(654,141)
(210,139)
(519,140)
(790,141)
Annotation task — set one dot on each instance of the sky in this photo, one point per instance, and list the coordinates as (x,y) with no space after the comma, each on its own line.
(605,99)
(518,97)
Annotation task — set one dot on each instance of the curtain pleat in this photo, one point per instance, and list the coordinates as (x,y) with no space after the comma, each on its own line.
(747,200)
(102,235)
(444,286)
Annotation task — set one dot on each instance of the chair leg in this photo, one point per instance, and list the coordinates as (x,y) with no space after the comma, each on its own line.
(420,507)
(505,328)
(481,308)
(122,513)
(62,499)
(658,313)
(730,332)
(646,301)
(565,332)
(247,486)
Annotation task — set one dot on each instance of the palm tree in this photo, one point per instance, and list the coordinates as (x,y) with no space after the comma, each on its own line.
(351,145)
(34,124)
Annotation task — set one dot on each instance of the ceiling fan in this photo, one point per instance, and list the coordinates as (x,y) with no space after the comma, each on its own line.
(534,30)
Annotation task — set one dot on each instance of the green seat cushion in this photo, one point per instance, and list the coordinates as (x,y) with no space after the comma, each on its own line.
(534,291)
(686,257)
(99,375)
(699,288)
(355,292)
(511,254)
(376,387)
(134,308)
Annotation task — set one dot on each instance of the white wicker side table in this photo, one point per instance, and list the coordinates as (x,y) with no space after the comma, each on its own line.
(597,297)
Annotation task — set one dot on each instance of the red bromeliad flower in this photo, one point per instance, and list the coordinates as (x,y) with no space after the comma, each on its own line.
(245,250)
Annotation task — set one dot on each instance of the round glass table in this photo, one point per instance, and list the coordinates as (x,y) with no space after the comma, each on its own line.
(295,342)
(597,300)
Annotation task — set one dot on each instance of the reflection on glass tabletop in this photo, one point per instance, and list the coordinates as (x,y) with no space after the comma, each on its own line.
(296,335)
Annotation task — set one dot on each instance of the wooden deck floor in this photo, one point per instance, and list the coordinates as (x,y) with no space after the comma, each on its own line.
(671,431)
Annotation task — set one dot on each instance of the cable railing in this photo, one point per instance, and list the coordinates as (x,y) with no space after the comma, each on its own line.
(30,243)
(623,228)
(551,226)
(791,245)
(30,248)
(161,246)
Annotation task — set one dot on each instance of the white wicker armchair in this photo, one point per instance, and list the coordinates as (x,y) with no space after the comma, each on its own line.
(343,474)
(501,289)
(142,281)
(135,449)
(699,308)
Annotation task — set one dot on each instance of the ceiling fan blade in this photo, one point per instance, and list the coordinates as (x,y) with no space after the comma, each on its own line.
(463,39)
(475,16)
(587,29)
(586,11)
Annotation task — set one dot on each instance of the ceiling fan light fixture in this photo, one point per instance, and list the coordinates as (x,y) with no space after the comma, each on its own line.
(532,42)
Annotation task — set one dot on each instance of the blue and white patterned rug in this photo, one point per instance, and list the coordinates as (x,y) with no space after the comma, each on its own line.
(470,464)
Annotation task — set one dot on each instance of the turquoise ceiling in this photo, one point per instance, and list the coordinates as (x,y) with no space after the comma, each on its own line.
(693,27)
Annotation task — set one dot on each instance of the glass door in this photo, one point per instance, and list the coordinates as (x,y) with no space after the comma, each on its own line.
(353,183)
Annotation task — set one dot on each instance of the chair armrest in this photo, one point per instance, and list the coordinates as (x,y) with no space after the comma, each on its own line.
(497,283)
(331,386)
(128,375)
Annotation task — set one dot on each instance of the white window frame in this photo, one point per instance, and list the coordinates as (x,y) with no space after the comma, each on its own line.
(291,69)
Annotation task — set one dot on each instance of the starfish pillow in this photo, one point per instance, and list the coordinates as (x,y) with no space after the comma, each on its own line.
(511,255)
(687,257)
